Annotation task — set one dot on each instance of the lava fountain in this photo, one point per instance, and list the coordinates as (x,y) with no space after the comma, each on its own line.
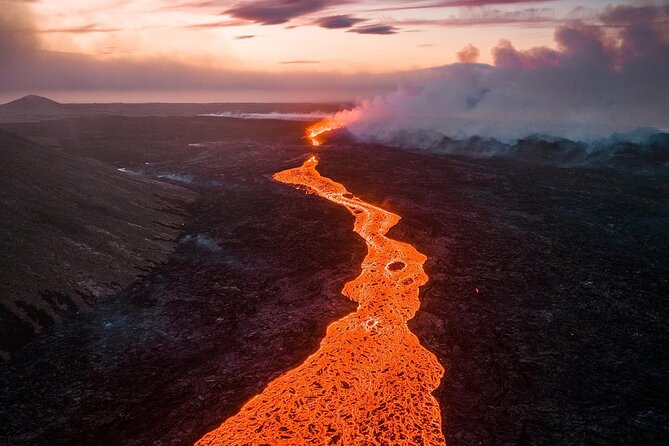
(316,130)
(370,382)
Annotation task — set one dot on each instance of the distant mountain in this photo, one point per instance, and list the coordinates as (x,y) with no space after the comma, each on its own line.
(73,231)
(31,103)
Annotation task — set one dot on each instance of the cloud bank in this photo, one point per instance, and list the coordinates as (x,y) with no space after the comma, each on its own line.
(24,68)
(600,80)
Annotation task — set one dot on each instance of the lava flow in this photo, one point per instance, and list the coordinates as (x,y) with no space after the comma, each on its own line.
(316,130)
(370,382)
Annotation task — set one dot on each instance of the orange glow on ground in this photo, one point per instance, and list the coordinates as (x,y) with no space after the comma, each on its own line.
(313,132)
(370,382)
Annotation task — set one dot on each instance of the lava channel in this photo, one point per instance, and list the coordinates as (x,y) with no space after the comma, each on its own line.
(370,382)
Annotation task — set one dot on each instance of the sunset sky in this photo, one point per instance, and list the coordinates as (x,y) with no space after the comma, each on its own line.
(331,38)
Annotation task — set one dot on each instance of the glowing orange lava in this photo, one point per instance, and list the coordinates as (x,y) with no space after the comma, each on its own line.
(370,382)
(313,132)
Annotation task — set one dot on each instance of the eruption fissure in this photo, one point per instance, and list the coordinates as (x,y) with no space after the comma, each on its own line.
(370,382)
(316,130)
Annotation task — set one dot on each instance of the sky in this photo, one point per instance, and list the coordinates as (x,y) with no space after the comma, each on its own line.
(312,50)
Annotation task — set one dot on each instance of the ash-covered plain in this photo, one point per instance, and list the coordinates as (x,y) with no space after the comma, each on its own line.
(545,304)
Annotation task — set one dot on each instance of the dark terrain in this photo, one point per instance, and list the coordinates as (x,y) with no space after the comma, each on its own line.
(564,342)
(73,231)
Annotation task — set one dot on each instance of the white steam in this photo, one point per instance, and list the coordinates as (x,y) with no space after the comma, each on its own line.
(595,84)
(311,116)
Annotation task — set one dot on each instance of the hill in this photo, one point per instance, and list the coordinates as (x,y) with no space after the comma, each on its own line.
(31,101)
(74,230)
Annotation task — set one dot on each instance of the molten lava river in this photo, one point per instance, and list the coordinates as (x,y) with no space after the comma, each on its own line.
(370,382)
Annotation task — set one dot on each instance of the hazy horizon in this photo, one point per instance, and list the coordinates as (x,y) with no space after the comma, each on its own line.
(182,97)
(499,68)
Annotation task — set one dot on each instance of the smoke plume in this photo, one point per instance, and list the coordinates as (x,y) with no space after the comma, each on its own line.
(600,80)
(469,54)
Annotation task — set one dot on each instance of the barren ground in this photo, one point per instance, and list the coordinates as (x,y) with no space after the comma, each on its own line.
(565,342)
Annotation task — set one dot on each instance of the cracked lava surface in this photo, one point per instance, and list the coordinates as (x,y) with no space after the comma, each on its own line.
(370,382)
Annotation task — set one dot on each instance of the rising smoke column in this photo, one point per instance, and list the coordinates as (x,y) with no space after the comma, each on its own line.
(600,80)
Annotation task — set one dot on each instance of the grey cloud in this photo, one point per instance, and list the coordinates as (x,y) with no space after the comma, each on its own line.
(629,14)
(338,21)
(480,3)
(375,29)
(274,12)
(525,17)
(452,4)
